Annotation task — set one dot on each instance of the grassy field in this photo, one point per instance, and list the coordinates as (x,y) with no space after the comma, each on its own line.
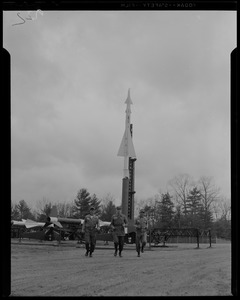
(48,269)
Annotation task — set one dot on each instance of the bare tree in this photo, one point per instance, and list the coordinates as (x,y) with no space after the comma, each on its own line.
(65,210)
(222,209)
(43,204)
(44,207)
(209,195)
(138,204)
(109,197)
(181,185)
(108,207)
(209,192)
(227,209)
(150,206)
(149,202)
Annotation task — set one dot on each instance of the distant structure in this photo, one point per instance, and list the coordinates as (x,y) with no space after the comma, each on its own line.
(127,150)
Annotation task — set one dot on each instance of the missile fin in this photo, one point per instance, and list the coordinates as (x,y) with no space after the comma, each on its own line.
(126,147)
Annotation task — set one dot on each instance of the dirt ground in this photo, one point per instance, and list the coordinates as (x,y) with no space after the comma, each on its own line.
(48,269)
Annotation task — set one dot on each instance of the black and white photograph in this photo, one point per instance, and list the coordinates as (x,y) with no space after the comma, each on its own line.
(120,152)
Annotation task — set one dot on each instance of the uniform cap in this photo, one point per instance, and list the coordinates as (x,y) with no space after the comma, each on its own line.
(118,207)
(92,208)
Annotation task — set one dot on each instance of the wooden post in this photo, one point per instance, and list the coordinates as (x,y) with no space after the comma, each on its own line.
(210,238)
(19,234)
(197,238)
(150,237)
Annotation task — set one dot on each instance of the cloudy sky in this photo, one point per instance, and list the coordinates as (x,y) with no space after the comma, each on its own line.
(70,76)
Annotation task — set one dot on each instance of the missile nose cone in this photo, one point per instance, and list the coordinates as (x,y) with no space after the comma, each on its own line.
(128,100)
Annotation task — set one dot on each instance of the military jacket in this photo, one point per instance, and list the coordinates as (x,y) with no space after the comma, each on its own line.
(90,222)
(141,224)
(118,222)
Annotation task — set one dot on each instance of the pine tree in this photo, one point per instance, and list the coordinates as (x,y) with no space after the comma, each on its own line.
(96,203)
(165,211)
(194,208)
(82,203)
(107,211)
(206,218)
(24,210)
(15,212)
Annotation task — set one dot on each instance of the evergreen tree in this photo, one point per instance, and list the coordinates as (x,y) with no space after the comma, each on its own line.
(107,211)
(194,208)
(82,203)
(96,203)
(15,213)
(206,218)
(165,211)
(24,210)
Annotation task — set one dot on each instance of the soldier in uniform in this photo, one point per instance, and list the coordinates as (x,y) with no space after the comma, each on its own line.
(118,223)
(89,228)
(141,232)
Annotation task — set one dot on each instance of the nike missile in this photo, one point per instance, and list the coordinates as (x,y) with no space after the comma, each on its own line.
(126,148)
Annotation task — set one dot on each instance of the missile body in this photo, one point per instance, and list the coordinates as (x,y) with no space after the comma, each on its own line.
(126,148)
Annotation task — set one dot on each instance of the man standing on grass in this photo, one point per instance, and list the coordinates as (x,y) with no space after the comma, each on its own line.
(89,228)
(141,232)
(118,223)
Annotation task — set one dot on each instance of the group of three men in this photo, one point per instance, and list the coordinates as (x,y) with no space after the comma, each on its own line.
(118,223)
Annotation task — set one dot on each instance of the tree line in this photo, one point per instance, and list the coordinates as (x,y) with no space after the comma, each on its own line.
(104,208)
(189,203)
(186,204)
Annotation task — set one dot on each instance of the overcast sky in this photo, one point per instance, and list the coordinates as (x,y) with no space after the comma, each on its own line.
(70,76)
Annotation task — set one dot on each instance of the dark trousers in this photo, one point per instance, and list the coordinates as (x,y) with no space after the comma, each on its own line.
(141,240)
(90,240)
(118,242)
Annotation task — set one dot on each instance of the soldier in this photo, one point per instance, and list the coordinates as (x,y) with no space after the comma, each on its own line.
(89,228)
(141,232)
(118,223)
